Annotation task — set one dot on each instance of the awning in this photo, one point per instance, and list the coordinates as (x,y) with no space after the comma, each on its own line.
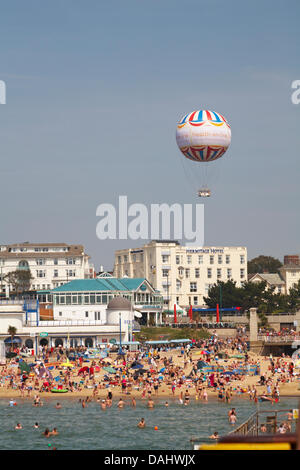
(180,340)
(16,339)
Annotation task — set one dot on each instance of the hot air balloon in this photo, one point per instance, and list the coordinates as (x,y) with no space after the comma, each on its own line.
(203,137)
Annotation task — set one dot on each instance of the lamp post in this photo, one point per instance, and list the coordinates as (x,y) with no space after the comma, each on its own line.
(120,348)
(220,302)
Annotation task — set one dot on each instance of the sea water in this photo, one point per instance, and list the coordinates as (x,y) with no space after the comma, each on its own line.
(92,428)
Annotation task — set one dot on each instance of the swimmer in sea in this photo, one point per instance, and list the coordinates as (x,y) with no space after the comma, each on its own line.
(166,404)
(150,403)
(36,425)
(19,426)
(215,435)
(47,433)
(103,405)
(58,406)
(142,423)
(232,416)
(121,403)
(54,432)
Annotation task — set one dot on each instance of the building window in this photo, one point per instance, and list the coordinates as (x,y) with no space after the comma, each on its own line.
(200,259)
(242,273)
(219,273)
(71,272)
(55,261)
(178,285)
(187,273)
(55,272)
(197,272)
(180,271)
(165,258)
(86,314)
(60,314)
(195,300)
(40,261)
(242,259)
(70,261)
(209,272)
(177,259)
(125,258)
(41,273)
(193,286)
(119,259)
(220,259)
(227,259)
(189,259)
(134,258)
(211,259)
(165,273)
(229,273)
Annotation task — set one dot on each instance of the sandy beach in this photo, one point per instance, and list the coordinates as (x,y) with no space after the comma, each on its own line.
(290,388)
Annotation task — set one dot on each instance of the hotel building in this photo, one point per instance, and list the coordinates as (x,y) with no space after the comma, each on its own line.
(183,274)
(51,264)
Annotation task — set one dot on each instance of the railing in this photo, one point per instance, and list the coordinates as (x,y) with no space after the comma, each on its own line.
(270,418)
(249,427)
(45,323)
(56,323)
(278,339)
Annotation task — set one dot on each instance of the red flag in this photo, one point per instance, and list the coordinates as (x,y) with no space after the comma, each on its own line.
(175,316)
(191,313)
(218,314)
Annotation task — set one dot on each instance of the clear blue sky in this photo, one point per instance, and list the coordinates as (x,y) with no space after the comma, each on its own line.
(94,92)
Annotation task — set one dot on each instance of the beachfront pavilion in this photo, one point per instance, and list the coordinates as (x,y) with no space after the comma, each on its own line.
(87,299)
(33,332)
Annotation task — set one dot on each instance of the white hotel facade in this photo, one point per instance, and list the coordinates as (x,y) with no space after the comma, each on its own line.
(182,274)
(51,264)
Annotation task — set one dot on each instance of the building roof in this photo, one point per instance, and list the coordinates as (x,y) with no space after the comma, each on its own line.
(73,250)
(288,267)
(270,278)
(102,284)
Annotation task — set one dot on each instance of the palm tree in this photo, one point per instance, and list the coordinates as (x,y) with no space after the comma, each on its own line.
(12,331)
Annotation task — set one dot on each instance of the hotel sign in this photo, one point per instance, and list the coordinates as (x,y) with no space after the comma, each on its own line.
(206,250)
(44,334)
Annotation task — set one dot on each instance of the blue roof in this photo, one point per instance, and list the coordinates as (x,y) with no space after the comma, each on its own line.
(101,284)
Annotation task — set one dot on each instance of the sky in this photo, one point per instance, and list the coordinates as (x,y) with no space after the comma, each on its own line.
(94,91)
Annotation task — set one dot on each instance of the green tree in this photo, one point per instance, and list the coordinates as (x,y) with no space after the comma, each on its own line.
(19,280)
(228,291)
(12,331)
(293,298)
(264,264)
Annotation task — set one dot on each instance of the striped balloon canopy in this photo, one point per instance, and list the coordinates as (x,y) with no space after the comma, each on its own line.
(203,135)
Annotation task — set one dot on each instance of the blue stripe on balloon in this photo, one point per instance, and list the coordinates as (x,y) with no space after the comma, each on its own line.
(217,117)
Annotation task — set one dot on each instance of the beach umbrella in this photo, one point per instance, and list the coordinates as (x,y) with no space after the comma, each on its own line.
(137,366)
(67,364)
(83,369)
